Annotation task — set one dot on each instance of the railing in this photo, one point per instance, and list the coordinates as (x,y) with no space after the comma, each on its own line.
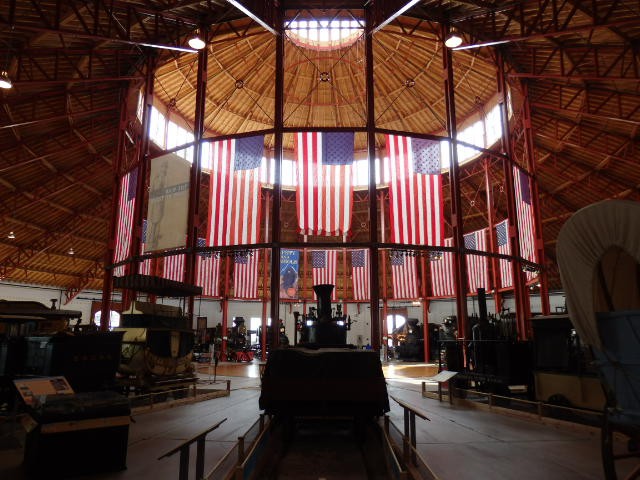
(416,465)
(152,398)
(540,408)
(241,460)
(183,448)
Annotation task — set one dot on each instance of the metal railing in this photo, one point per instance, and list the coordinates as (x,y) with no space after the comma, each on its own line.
(184,447)
(414,462)
(152,398)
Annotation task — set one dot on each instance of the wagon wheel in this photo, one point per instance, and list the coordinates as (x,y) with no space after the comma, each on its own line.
(613,452)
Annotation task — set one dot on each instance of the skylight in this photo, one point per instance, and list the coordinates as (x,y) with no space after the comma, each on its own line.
(324,34)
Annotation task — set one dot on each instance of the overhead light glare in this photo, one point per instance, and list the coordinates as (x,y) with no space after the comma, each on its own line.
(71,251)
(196,42)
(11,235)
(5,81)
(454,39)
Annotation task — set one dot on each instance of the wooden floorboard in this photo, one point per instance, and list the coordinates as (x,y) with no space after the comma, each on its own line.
(458,443)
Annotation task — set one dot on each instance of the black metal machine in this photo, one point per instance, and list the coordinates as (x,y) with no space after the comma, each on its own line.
(410,341)
(323,375)
(323,326)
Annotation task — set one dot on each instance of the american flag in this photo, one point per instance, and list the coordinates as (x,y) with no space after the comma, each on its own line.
(360,274)
(415,191)
(145,267)
(234,192)
(404,275)
(208,273)
(506,274)
(128,185)
(477,265)
(323,263)
(325,187)
(442,278)
(524,208)
(245,274)
(173,267)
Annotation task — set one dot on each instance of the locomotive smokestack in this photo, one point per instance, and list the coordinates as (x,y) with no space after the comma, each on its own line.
(323,292)
(482,305)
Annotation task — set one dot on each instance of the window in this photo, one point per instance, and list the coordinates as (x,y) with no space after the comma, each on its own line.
(325,34)
(156,127)
(114,320)
(394,322)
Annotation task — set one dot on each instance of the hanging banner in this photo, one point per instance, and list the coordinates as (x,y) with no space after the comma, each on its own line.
(289,273)
(168,203)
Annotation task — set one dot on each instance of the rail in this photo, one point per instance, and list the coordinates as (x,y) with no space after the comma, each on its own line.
(184,447)
(415,463)
(180,394)
(540,407)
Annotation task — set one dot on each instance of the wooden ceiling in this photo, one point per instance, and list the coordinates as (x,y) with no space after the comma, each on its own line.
(73,64)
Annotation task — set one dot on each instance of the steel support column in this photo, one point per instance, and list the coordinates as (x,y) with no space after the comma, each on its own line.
(493,244)
(535,202)
(519,287)
(129,296)
(105,314)
(277,184)
(371,150)
(460,270)
(193,214)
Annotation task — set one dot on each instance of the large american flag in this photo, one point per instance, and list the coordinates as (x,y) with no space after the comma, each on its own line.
(323,268)
(477,265)
(245,274)
(325,186)
(360,274)
(234,192)
(126,208)
(526,235)
(208,272)
(502,234)
(404,275)
(442,278)
(173,267)
(145,266)
(415,191)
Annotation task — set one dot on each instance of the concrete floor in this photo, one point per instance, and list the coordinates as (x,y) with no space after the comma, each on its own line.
(458,443)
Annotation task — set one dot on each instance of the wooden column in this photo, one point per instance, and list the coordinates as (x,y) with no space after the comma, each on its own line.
(459,264)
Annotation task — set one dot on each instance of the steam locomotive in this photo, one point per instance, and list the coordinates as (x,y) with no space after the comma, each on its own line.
(323,376)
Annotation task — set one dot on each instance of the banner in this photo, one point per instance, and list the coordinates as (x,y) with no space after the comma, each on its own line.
(289,273)
(168,203)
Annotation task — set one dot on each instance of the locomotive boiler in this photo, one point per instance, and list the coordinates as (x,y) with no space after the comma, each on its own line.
(323,376)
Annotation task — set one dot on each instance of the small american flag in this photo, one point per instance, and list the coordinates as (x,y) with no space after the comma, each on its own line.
(234,191)
(323,263)
(404,275)
(325,186)
(208,273)
(360,274)
(506,275)
(145,266)
(245,274)
(415,191)
(126,209)
(477,265)
(526,235)
(442,279)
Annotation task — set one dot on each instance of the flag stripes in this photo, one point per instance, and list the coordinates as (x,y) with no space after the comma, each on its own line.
(502,234)
(360,274)
(234,191)
(442,278)
(124,227)
(415,191)
(404,274)
(323,263)
(208,272)
(325,186)
(245,274)
(173,267)
(524,208)
(477,265)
